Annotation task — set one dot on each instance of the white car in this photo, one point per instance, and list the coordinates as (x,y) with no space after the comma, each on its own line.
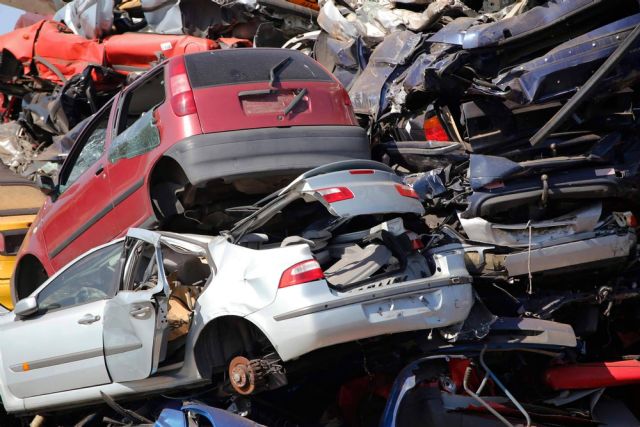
(334,257)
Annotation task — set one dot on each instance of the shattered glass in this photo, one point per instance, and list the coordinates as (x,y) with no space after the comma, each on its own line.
(142,136)
(90,153)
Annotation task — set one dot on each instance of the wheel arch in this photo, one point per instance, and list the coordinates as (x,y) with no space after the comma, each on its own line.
(225,337)
(167,176)
(29,273)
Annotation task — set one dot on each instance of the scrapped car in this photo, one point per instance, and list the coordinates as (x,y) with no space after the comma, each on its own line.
(182,143)
(201,415)
(483,387)
(334,257)
(20,200)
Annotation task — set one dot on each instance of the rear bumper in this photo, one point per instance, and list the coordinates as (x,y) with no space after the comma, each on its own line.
(430,308)
(267,151)
(310,316)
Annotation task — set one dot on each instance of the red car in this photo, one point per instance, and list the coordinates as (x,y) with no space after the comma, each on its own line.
(195,136)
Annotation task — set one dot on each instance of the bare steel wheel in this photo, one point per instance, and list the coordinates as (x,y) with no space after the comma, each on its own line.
(247,376)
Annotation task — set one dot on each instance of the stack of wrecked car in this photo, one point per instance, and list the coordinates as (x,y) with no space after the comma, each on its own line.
(183,149)
(484,272)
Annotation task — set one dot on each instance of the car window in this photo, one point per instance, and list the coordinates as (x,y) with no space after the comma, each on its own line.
(92,149)
(92,278)
(135,128)
(140,100)
(142,136)
(141,270)
(240,66)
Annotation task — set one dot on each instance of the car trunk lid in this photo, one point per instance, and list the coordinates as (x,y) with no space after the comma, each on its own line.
(265,88)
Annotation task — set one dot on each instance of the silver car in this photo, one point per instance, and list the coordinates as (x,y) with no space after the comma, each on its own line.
(334,257)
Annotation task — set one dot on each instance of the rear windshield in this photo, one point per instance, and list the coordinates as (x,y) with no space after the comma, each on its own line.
(237,66)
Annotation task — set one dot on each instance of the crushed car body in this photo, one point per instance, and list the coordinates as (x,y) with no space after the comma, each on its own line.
(164,152)
(274,292)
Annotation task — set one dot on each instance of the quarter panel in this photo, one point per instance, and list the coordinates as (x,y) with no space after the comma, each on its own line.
(247,279)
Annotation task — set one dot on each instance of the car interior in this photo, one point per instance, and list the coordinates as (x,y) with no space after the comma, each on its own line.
(187,274)
(91,279)
(141,99)
(351,251)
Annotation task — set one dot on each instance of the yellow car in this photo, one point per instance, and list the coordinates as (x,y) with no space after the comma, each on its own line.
(20,200)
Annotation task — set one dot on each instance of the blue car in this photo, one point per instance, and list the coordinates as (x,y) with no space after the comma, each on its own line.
(196,415)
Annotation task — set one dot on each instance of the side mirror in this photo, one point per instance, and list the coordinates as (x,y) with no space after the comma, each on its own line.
(46,184)
(26,307)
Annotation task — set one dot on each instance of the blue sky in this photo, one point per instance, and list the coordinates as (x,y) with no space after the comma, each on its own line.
(8,17)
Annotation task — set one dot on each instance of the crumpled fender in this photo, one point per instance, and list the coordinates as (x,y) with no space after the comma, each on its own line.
(54,43)
(60,54)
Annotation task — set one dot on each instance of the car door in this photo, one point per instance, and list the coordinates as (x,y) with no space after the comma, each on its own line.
(77,220)
(135,320)
(135,135)
(60,347)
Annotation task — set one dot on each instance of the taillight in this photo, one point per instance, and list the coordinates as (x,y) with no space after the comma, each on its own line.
(335,194)
(416,241)
(406,191)
(361,171)
(302,272)
(433,130)
(182,101)
(625,219)
(346,98)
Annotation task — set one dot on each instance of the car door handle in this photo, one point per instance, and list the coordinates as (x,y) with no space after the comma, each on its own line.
(99,170)
(141,312)
(88,319)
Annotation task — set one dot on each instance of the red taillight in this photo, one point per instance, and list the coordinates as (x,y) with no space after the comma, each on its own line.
(345,97)
(416,241)
(434,131)
(406,191)
(361,172)
(302,272)
(182,100)
(335,194)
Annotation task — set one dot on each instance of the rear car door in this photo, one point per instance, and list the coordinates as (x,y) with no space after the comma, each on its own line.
(135,320)
(128,162)
(77,220)
(60,347)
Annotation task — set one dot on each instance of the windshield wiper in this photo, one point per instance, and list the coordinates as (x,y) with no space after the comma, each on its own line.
(275,70)
(273,75)
(295,101)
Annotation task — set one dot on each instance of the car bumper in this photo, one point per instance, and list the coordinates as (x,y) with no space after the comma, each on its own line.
(294,333)
(260,152)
